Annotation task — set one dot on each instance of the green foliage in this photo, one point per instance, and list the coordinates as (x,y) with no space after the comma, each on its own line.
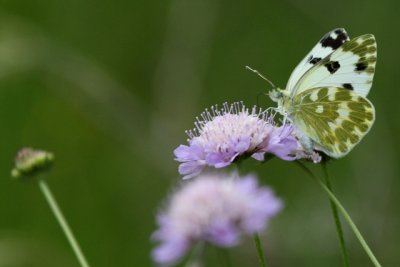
(110,87)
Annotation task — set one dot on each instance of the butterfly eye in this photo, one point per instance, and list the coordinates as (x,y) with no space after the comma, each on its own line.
(275,95)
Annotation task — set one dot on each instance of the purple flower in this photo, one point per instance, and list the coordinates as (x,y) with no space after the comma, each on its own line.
(215,209)
(224,135)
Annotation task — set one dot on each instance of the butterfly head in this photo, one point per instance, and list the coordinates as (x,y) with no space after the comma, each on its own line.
(282,98)
(276,95)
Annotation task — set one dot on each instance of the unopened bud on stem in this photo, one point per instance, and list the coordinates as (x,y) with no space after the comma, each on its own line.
(29,162)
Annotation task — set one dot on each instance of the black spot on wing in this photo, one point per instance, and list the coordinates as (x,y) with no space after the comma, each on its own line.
(314,60)
(330,40)
(348,86)
(361,66)
(332,66)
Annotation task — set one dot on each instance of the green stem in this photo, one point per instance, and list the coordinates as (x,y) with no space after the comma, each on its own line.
(225,258)
(257,241)
(345,215)
(195,255)
(63,223)
(336,218)
(261,256)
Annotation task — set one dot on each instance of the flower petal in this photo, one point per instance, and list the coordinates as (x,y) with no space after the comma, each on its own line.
(187,153)
(191,167)
(170,251)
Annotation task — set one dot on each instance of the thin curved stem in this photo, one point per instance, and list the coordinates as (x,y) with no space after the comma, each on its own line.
(345,215)
(261,256)
(63,222)
(336,218)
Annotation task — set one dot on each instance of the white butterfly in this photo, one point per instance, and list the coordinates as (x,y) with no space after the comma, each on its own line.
(325,96)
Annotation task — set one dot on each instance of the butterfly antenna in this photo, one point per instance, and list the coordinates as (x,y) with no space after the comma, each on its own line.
(262,76)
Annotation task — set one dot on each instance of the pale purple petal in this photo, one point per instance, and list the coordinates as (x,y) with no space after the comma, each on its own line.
(223,234)
(266,205)
(187,153)
(170,252)
(248,184)
(220,160)
(191,167)
(285,149)
(258,156)
(281,143)
(241,145)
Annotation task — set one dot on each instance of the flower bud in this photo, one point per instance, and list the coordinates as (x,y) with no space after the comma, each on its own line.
(29,162)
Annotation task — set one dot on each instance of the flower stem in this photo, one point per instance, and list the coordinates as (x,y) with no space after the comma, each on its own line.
(63,223)
(261,256)
(336,218)
(345,215)
(224,257)
(195,255)
(257,241)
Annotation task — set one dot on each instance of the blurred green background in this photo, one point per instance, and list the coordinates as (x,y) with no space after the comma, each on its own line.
(110,87)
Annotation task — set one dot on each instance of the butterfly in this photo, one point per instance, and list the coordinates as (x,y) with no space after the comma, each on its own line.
(325,97)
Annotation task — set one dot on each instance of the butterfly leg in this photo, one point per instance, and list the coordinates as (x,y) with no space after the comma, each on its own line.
(286,119)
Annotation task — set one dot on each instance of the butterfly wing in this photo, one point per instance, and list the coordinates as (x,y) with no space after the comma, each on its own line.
(335,119)
(350,66)
(329,43)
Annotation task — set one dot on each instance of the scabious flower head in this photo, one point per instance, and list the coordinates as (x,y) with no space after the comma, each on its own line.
(223,136)
(214,209)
